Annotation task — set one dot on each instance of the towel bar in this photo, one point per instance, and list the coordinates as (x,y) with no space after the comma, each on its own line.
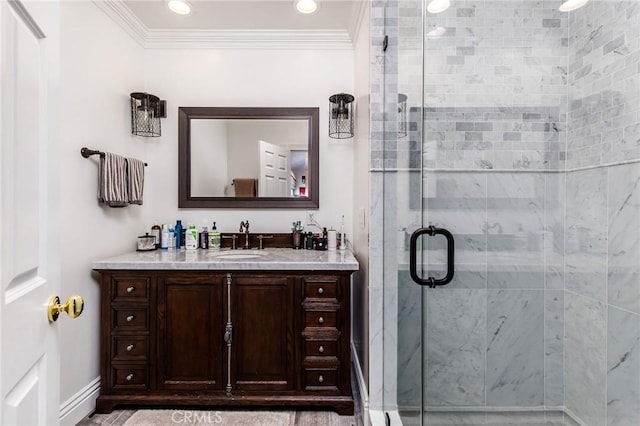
(86,153)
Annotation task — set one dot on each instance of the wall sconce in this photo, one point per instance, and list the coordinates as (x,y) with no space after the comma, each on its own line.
(341,116)
(146,111)
(402,115)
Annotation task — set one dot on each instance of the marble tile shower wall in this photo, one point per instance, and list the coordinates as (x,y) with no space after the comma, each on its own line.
(604,83)
(495,84)
(602,313)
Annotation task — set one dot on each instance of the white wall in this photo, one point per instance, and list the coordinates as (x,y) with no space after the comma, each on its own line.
(209,142)
(100,66)
(248,77)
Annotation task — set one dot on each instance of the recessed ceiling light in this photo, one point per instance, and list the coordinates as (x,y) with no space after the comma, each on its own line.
(438,6)
(306,6)
(570,5)
(180,7)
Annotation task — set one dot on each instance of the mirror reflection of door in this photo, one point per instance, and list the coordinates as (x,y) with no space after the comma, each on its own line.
(275,174)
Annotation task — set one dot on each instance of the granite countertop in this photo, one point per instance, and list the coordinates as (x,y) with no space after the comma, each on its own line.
(269,259)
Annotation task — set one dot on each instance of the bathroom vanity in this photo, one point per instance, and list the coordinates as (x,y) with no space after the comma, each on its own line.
(226,328)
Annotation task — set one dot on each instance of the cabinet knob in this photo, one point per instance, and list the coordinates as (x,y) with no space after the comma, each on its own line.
(321,349)
(129,348)
(130,318)
(320,379)
(320,320)
(320,290)
(130,289)
(129,377)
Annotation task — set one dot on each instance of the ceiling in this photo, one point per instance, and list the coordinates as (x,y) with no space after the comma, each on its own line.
(246,15)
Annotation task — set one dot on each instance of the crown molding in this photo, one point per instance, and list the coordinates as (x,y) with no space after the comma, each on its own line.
(248,39)
(123,16)
(119,12)
(357,19)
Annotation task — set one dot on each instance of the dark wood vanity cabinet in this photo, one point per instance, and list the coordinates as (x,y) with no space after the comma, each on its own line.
(208,338)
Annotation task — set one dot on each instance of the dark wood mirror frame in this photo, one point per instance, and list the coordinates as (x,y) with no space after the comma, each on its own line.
(186,114)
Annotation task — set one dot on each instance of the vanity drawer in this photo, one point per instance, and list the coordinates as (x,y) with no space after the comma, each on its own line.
(130,319)
(321,289)
(129,377)
(129,348)
(130,289)
(321,318)
(321,379)
(321,348)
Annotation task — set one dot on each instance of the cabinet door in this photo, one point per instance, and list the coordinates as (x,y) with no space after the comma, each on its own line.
(262,312)
(191,323)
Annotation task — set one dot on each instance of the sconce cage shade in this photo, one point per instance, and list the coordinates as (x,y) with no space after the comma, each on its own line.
(341,116)
(402,115)
(146,111)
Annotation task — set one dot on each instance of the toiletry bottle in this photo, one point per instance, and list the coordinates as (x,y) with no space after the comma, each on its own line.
(303,186)
(171,243)
(157,232)
(164,237)
(332,239)
(191,238)
(204,238)
(178,232)
(214,238)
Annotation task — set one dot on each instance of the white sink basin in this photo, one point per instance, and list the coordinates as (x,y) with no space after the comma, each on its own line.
(237,256)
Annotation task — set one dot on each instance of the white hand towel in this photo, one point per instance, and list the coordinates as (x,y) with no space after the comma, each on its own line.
(135,180)
(112,180)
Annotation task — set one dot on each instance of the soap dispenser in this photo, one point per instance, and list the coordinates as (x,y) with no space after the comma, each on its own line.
(214,238)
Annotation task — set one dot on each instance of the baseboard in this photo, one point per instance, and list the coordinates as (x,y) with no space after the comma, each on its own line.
(80,405)
(362,385)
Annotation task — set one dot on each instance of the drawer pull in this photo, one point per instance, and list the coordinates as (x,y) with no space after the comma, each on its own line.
(320,290)
(130,318)
(321,349)
(321,320)
(129,348)
(129,377)
(320,379)
(130,289)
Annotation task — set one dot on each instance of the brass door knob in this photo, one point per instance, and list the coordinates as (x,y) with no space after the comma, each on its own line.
(73,307)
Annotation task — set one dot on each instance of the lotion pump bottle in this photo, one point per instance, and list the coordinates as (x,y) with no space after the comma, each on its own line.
(191,238)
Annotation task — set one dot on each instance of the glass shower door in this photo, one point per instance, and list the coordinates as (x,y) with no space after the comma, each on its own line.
(480,157)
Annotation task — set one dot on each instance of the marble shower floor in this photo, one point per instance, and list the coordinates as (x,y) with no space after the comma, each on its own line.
(482,418)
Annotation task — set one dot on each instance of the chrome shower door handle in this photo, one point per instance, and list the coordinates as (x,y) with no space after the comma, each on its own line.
(413,249)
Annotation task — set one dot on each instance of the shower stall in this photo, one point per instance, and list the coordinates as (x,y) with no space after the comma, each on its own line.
(515,128)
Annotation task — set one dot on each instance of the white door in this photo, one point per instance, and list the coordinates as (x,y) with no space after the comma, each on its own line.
(275,173)
(29,73)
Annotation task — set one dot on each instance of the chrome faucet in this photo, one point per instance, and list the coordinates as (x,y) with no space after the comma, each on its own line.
(244,227)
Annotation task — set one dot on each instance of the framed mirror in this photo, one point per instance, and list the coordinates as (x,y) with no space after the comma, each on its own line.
(248,157)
